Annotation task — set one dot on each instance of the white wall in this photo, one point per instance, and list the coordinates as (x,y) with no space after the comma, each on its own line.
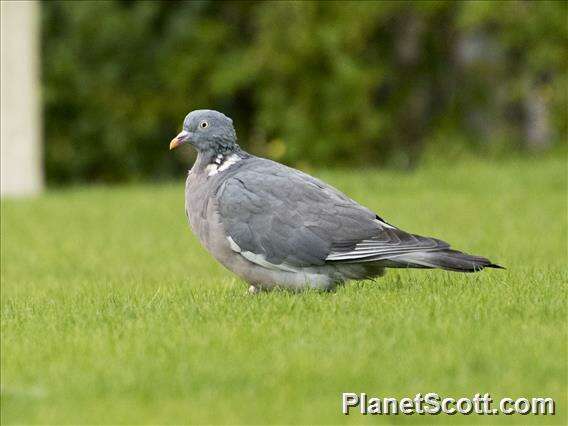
(20,125)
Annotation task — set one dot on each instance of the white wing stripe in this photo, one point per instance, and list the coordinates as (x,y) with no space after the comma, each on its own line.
(259,259)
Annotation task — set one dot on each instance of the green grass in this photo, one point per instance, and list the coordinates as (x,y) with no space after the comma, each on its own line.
(113,313)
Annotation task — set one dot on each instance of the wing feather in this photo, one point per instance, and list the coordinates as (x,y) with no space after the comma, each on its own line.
(288,219)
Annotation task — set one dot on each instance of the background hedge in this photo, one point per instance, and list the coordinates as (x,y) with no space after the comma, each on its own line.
(307,83)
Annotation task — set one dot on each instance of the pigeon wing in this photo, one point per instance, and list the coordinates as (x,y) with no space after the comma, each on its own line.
(279,217)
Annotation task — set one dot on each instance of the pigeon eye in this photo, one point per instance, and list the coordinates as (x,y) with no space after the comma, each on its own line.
(203,124)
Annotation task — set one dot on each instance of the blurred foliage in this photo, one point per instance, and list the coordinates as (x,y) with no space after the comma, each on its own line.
(307,83)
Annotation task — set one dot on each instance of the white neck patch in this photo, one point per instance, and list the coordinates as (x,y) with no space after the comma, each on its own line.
(221,163)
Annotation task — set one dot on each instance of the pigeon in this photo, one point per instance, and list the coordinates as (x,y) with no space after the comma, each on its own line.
(277,227)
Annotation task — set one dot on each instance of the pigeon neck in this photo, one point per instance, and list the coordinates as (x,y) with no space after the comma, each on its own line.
(208,157)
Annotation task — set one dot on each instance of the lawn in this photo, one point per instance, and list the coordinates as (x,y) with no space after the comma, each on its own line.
(113,313)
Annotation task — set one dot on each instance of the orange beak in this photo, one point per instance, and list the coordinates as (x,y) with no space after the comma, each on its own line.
(180,139)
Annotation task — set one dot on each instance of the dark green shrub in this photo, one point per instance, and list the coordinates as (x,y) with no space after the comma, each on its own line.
(347,83)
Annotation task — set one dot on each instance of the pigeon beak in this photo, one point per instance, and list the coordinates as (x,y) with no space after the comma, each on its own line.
(180,139)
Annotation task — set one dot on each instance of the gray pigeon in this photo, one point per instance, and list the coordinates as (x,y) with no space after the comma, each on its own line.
(275,226)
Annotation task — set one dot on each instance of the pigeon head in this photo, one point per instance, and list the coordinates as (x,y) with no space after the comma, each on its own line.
(207,131)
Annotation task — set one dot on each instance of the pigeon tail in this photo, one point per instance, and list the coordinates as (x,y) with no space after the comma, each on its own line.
(448,259)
